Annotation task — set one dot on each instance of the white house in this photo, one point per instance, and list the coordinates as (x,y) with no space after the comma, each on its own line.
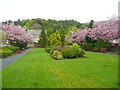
(115,42)
(35,34)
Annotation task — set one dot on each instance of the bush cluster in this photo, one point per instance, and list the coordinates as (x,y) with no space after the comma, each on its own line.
(7,51)
(47,49)
(13,48)
(73,52)
(58,48)
(87,46)
(69,51)
(90,46)
(57,55)
(22,45)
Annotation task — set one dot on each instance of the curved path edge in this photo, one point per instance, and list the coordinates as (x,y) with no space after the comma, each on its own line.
(13,58)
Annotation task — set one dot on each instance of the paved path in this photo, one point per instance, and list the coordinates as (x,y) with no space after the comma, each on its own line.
(11,59)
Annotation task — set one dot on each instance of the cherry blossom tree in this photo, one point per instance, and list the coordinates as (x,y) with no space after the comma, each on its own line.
(16,33)
(106,30)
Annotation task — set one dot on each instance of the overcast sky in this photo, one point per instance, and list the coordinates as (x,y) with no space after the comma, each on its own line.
(80,10)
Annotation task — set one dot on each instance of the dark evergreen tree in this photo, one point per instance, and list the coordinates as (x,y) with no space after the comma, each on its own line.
(42,40)
(91,24)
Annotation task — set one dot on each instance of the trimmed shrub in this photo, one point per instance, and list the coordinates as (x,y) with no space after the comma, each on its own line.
(5,52)
(68,53)
(13,48)
(22,45)
(58,48)
(47,49)
(100,43)
(87,46)
(109,46)
(82,52)
(73,51)
(57,55)
(68,43)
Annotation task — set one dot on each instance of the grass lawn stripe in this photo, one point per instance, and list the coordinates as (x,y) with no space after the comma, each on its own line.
(38,70)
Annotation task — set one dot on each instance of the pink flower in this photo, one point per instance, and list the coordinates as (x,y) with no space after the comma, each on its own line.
(107,30)
(16,33)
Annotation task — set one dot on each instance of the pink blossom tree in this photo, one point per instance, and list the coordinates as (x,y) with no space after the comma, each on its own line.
(16,33)
(106,30)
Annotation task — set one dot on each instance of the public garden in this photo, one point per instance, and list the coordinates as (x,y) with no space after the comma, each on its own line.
(67,54)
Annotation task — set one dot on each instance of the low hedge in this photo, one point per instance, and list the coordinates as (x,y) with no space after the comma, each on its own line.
(73,52)
(57,55)
(69,51)
(13,48)
(5,53)
(87,46)
(58,48)
(47,49)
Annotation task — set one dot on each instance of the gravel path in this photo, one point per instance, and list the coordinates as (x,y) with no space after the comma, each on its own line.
(11,59)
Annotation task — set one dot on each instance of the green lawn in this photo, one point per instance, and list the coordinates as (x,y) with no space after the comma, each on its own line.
(38,70)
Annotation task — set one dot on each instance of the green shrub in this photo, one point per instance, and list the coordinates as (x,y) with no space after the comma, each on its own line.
(57,55)
(68,43)
(55,39)
(82,53)
(58,48)
(73,51)
(109,46)
(17,48)
(68,53)
(20,44)
(5,52)
(100,44)
(47,49)
(13,48)
(114,49)
(87,46)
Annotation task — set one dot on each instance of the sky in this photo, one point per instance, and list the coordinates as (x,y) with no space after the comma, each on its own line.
(80,10)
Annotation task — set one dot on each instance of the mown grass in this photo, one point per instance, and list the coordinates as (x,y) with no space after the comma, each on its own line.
(38,70)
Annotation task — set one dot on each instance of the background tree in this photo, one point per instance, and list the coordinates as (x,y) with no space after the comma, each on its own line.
(49,32)
(42,40)
(91,24)
(106,30)
(16,35)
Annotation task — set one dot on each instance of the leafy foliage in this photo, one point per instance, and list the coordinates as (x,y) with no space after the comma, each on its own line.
(5,52)
(55,39)
(91,24)
(57,55)
(58,48)
(48,49)
(87,46)
(73,52)
(12,48)
(42,39)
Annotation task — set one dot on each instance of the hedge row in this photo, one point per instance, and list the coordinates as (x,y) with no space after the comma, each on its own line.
(68,51)
(7,51)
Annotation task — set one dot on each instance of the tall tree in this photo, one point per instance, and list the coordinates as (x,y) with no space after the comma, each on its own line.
(91,24)
(42,40)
